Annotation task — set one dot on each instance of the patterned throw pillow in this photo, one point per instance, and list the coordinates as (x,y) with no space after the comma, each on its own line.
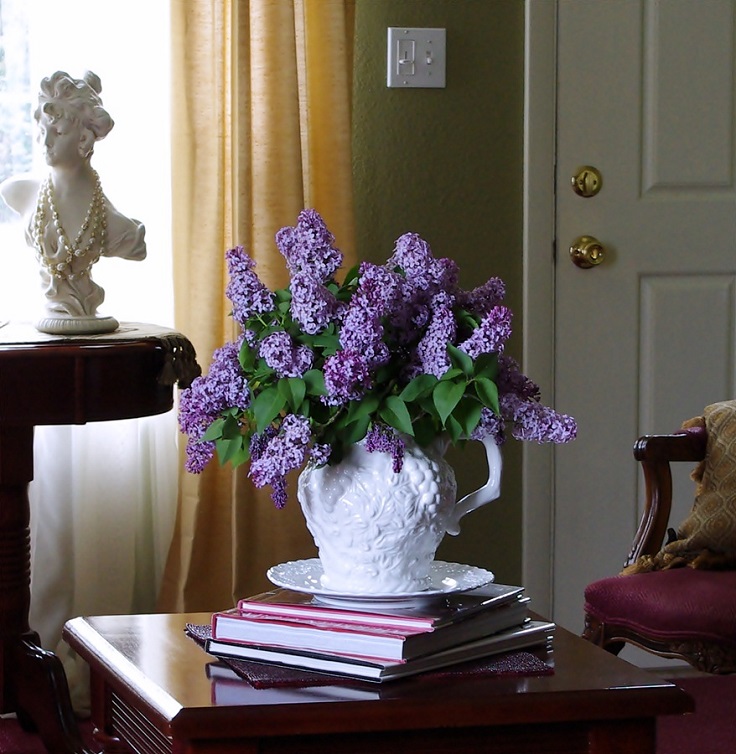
(707,537)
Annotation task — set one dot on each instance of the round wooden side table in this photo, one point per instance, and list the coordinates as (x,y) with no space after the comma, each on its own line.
(46,379)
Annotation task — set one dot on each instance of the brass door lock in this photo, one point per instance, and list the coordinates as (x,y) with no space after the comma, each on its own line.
(587,181)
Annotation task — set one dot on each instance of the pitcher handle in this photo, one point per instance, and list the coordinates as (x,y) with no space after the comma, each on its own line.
(485,494)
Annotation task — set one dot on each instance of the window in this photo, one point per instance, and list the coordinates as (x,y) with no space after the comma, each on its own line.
(126,44)
(98,545)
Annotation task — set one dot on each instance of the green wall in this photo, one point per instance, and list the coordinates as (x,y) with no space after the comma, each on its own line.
(447,164)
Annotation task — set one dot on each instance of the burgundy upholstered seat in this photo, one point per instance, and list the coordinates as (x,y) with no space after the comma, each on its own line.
(681,612)
(679,605)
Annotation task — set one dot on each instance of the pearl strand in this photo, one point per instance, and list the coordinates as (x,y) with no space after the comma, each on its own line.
(95,221)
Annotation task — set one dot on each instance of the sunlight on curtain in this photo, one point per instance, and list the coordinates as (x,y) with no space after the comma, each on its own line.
(103,497)
(264,131)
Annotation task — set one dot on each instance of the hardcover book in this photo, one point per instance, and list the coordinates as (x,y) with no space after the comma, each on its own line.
(353,638)
(531,633)
(288,603)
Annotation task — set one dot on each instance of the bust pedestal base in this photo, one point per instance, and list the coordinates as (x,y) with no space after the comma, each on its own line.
(67,325)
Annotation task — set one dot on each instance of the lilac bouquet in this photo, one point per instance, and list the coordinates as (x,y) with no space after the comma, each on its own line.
(394,350)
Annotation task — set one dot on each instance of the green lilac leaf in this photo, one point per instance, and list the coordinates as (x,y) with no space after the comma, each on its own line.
(487,391)
(454,429)
(424,431)
(363,407)
(351,275)
(460,359)
(395,413)
(282,294)
(451,374)
(419,387)
(486,365)
(267,405)
(446,396)
(293,389)
(247,357)
(232,450)
(314,379)
(467,413)
(355,431)
(465,319)
(326,340)
(214,431)
(231,428)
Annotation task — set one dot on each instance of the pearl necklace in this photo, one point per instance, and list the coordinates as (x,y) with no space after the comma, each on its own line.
(95,220)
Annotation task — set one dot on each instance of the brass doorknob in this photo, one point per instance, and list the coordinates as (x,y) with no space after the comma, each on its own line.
(587,251)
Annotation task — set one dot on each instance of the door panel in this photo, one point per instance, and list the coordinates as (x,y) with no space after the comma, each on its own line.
(646,339)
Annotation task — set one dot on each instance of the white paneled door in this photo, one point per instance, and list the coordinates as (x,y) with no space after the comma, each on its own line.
(645,338)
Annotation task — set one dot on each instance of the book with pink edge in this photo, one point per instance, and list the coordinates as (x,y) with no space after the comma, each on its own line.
(286,603)
(371,640)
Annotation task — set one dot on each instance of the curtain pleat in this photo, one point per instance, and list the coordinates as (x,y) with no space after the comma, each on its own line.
(261,130)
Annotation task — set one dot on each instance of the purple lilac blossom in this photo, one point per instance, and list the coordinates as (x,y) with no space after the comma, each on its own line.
(443,273)
(533,422)
(403,310)
(431,355)
(482,299)
(250,337)
(511,380)
(320,453)
(378,287)
(410,315)
(259,442)
(490,424)
(309,247)
(248,294)
(347,378)
(425,276)
(312,305)
(491,334)
(381,438)
(202,402)
(289,359)
(362,329)
(414,256)
(198,454)
(224,386)
(281,452)
(362,332)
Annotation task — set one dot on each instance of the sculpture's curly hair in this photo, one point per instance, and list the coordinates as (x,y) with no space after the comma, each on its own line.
(62,96)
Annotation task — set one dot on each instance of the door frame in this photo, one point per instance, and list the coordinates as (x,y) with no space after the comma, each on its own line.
(538,286)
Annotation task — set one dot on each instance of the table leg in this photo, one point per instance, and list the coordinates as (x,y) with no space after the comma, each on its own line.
(32,680)
(630,736)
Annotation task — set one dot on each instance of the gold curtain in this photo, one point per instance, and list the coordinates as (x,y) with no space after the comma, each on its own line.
(261,111)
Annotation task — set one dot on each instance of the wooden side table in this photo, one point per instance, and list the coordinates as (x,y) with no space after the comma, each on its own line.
(44,380)
(155,691)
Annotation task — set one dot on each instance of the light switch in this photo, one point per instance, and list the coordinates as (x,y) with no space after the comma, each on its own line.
(416,57)
(406,50)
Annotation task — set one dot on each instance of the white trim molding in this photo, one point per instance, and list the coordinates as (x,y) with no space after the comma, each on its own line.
(538,290)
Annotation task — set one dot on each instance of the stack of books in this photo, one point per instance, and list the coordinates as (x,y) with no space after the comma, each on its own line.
(295,629)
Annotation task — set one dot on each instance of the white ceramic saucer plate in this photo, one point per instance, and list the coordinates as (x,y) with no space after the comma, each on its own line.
(445,579)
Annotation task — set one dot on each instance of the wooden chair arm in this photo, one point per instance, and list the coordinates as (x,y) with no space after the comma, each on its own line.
(655,452)
(686,445)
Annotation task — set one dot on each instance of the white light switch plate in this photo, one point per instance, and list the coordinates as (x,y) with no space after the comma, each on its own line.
(416,57)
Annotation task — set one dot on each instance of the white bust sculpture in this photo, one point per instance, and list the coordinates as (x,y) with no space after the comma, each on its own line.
(68,220)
